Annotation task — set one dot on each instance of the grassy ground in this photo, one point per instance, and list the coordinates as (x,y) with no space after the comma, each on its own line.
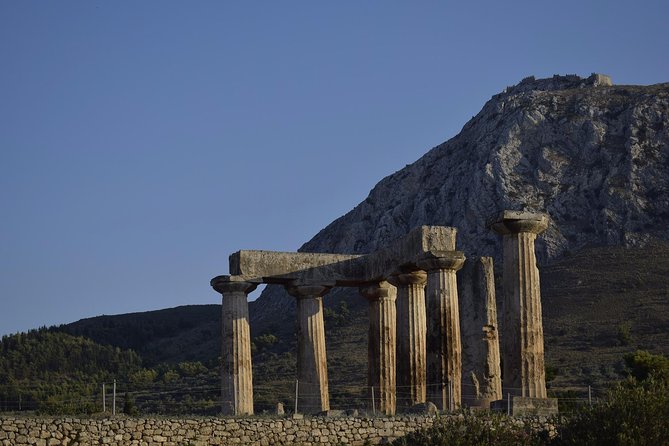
(601,303)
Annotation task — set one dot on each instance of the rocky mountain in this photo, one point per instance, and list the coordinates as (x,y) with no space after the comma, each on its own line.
(593,155)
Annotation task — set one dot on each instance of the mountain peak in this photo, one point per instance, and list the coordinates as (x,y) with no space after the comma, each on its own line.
(558,82)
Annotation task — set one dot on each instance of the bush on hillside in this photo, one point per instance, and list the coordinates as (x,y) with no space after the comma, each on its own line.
(643,365)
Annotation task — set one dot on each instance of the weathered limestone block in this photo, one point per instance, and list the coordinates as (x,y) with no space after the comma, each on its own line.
(341,269)
(381,341)
(444,349)
(411,332)
(236,367)
(283,267)
(409,249)
(481,367)
(312,368)
(524,373)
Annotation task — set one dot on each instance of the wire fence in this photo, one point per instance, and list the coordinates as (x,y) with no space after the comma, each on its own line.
(204,398)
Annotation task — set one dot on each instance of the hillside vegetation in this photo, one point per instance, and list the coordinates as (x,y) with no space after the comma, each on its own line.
(56,372)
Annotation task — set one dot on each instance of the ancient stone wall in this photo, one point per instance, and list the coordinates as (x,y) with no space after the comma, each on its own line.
(258,431)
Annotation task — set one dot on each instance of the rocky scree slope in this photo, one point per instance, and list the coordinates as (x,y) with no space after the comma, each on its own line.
(594,156)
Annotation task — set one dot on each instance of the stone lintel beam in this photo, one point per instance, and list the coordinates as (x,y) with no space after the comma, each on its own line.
(343,269)
(405,252)
(308,267)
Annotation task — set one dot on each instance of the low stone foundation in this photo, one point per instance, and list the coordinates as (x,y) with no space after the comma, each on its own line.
(121,431)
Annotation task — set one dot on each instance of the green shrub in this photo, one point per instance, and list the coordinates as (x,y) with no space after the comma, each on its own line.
(191,368)
(471,429)
(634,414)
(625,333)
(643,365)
(143,376)
(265,341)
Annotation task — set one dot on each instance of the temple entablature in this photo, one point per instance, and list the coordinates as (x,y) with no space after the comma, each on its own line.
(272,267)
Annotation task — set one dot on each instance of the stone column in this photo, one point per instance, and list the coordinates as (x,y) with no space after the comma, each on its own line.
(411,331)
(481,373)
(444,348)
(312,367)
(491,388)
(523,343)
(381,345)
(236,367)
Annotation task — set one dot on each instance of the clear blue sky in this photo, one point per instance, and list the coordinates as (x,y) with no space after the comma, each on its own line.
(141,142)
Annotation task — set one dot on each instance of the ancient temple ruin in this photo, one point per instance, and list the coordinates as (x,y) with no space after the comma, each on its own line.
(416,329)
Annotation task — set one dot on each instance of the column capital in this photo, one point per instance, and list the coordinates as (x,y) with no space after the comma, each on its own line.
(232,284)
(417,277)
(377,291)
(514,222)
(301,290)
(438,260)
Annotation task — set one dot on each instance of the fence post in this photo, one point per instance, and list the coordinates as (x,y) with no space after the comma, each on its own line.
(508,404)
(114,399)
(297,391)
(373,402)
(590,395)
(104,399)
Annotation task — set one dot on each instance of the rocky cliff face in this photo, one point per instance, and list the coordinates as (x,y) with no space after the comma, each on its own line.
(594,156)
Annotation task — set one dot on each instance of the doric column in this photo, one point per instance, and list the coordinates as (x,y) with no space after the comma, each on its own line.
(312,367)
(381,345)
(444,348)
(524,373)
(411,330)
(236,367)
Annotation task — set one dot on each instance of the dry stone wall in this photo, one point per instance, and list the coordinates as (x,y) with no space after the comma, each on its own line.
(322,431)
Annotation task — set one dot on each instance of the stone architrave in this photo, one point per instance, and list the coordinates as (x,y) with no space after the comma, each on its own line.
(236,366)
(411,332)
(444,348)
(524,373)
(312,367)
(381,352)
(481,369)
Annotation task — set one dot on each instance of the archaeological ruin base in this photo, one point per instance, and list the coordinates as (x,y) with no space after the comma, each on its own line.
(415,347)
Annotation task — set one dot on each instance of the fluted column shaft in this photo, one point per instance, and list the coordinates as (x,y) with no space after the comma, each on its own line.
(236,364)
(444,346)
(524,371)
(381,351)
(312,368)
(411,332)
